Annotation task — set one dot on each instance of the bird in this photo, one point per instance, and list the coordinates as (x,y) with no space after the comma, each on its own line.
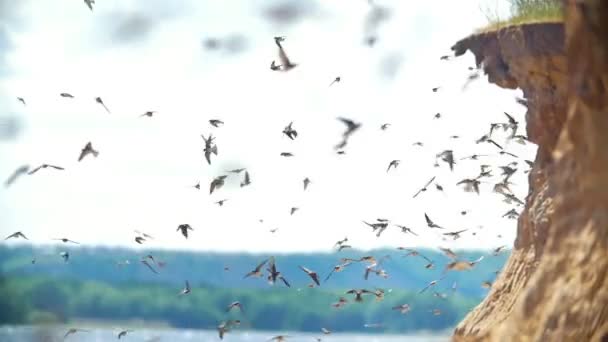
(290,132)
(448,252)
(424,188)
(470,185)
(145,262)
(437,116)
(123,333)
(246,181)
(510,198)
(233,305)
(306,183)
(507,171)
(380,227)
(511,214)
(435,89)
(325,331)
(100,101)
(431,284)
(403,308)
(210,147)
(286,154)
(89,3)
(337,268)
(430,223)
(486,139)
(65,256)
(216,123)
(385,126)
(462,265)
(149,114)
(279,338)
(274,274)
(313,275)
(257,272)
(197,186)
(341,247)
(20,171)
(336,80)
(351,127)
(72,331)
(67,95)
(448,157)
(22,100)
(498,250)
(16,235)
(140,239)
(455,235)
(86,150)
(44,166)
(503,153)
(226,326)
(186,290)
(445,58)
(217,183)
(359,294)
(286,64)
(293,210)
(405,229)
(221,202)
(237,171)
(66,240)
(393,164)
(274,66)
(184,228)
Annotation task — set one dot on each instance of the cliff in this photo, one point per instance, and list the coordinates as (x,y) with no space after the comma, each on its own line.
(554,287)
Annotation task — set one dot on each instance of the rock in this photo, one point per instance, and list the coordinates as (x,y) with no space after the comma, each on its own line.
(554,286)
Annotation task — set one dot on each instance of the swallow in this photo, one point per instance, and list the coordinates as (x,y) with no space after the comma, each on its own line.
(510,198)
(454,136)
(123,333)
(341,242)
(221,202)
(341,247)
(405,229)
(237,171)
(20,171)
(430,223)
(16,235)
(293,210)
(438,187)
(286,64)
(246,180)
(89,3)
(274,274)
(336,80)
(502,188)
(455,235)
(290,132)
(145,262)
(274,66)
(216,123)
(470,185)
(341,152)
(340,303)
(424,188)
(512,121)
(379,293)
(226,326)
(186,290)
(393,164)
(274,230)
(286,154)
(445,58)
(430,263)
(403,308)
(313,275)
(210,147)
(437,116)
(149,114)
(351,127)
(86,150)
(448,157)
(431,284)
(184,228)
(530,163)
(64,240)
(140,239)
(279,338)
(359,294)
(100,101)
(435,89)
(507,171)
(511,214)
(44,166)
(22,100)
(67,95)
(380,227)
(474,156)
(306,183)
(498,250)
(65,256)
(462,265)
(448,252)
(257,272)
(385,126)
(217,183)
(337,268)
(410,251)
(147,236)
(418,143)
(233,305)
(72,331)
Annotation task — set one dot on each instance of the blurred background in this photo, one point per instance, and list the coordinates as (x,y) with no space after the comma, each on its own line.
(193,61)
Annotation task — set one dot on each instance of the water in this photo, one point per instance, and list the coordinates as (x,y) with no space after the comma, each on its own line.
(50,334)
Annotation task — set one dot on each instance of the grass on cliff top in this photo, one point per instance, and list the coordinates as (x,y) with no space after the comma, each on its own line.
(524,12)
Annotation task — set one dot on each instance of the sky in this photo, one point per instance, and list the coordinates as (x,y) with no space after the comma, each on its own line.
(149,55)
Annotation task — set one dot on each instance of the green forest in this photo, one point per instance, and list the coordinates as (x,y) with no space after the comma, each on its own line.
(97,284)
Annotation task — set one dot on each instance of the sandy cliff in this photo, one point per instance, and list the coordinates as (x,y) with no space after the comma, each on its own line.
(555,284)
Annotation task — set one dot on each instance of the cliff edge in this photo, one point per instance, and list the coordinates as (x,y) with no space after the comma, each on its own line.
(554,286)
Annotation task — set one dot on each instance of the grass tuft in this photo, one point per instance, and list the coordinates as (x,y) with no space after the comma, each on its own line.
(524,12)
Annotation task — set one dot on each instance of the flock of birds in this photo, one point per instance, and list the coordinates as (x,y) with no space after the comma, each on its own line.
(268,268)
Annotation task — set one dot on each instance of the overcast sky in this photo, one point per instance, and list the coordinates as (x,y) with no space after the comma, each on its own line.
(148,55)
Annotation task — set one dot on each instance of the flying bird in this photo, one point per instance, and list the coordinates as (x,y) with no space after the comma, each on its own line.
(145,262)
(20,171)
(140,239)
(430,223)
(149,114)
(210,147)
(431,284)
(290,132)
(393,164)
(470,185)
(336,80)
(22,100)
(455,235)
(293,210)
(86,150)
(100,101)
(123,333)
(286,154)
(65,240)
(217,183)
(246,181)
(67,95)
(351,127)
(89,3)
(257,272)
(313,275)
(216,123)
(72,331)
(16,235)
(233,305)
(279,338)
(385,126)
(448,157)
(511,214)
(274,274)
(448,252)
(286,64)
(65,256)
(226,326)
(186,290)
(274,66)
(424,188)
(306,182)
(359,294)
(184,228)
(237,171)
(44,166)
(405,229)
(221,202)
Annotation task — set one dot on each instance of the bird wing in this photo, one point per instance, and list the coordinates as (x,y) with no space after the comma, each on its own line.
(305,269)
(428,220)
(511,119)
(284,281)
(149,266)
(495,143)
(35,170)
(330,273)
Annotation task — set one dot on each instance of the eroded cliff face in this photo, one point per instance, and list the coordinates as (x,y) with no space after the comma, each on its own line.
(555,285)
